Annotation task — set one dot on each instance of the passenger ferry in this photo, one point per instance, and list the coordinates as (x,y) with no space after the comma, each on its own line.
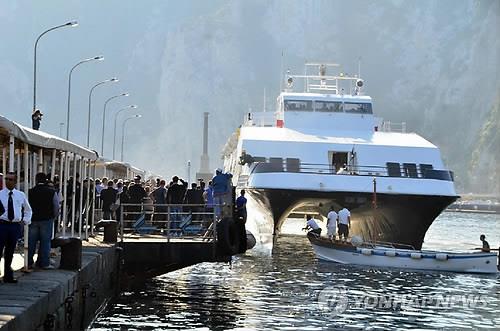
(324,147)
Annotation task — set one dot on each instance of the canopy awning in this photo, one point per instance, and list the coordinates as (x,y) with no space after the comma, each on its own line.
(42,139)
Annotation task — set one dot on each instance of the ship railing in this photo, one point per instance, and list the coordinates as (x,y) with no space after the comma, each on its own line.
(388,126)
(260,119)
(195,222)
(293,165)
(374,244)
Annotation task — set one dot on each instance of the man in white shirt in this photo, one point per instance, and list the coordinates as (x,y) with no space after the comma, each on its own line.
(312,225)
(12,218)
(344,223)
(331,225)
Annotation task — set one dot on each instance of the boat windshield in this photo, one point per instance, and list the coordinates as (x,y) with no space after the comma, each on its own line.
(328,106)
(300,105)
(358,108)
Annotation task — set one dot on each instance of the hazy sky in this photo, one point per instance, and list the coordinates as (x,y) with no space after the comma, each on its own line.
(422,62)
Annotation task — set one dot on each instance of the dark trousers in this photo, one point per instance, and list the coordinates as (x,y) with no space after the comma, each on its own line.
(9,233)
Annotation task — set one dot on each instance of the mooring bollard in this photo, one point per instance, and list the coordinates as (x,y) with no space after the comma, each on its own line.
(71,252)
(110,230)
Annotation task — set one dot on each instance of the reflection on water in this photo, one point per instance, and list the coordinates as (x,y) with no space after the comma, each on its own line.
(281,291)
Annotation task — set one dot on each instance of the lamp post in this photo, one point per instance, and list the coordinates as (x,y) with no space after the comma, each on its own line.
(96,58)
(61,125)
(112,80)
(114,130)
(104,117)
(69,24)
(123,130)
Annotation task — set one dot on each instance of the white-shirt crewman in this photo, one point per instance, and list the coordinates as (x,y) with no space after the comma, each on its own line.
(344,215)
(312,224)
(332,223)
(19,201)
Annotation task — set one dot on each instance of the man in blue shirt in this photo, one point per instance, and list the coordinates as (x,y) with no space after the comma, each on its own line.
(221,186)
(241,206)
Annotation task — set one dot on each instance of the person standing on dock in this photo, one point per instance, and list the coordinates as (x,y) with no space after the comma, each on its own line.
(222,189)
(108,198)
(175,196)
(159,196)
(241,206)
(344,223)
(44,202)
(331,225)
(135,195)
(14,211)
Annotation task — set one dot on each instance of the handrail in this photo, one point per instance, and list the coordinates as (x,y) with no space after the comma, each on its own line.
(177,221)
(405,170)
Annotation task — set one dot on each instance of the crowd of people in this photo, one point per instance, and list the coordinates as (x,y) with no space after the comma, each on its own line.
(43,207)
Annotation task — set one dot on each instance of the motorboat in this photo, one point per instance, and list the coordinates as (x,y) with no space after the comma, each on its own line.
(383,254)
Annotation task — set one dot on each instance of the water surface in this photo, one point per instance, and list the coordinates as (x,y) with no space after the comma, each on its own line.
(290,290)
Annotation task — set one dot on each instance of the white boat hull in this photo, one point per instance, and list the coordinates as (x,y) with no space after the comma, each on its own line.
(406,259)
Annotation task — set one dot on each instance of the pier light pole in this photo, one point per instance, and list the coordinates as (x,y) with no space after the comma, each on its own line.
(123,131)
(104,117)
(96,58)
(61,125)
(112,80)
(114,130)
(69,24)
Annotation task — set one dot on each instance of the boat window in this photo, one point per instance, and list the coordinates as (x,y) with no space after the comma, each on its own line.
(358,108)
(293,165)
(328,106)
(410,170)
(393,169)
(424,168)
(298,105)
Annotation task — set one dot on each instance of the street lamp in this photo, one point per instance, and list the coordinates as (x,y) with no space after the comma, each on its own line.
(114,130)
(112,80)
(61,125)
(96,58)
(70,24)
(104,117)
(123,130)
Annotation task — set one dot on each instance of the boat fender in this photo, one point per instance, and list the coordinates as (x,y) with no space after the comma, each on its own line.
(251,241)
(416,256)
(390,253)
(366,251)
(441,257)
(228,236)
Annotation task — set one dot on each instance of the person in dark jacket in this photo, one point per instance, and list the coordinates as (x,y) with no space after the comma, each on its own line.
(44,202)
(135,195)
(175,196)
(108,197)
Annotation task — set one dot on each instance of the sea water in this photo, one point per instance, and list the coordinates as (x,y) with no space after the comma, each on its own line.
(289,289)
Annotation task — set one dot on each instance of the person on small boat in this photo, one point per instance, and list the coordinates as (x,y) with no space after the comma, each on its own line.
(344,216)
(312,225)
(331,225)
(486,246)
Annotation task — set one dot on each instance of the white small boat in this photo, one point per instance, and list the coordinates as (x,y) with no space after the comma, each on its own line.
(401,256)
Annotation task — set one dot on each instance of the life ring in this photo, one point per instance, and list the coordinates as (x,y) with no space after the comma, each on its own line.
(228,239)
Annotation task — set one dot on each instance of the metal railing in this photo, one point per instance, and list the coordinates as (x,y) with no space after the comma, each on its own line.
(397,170)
